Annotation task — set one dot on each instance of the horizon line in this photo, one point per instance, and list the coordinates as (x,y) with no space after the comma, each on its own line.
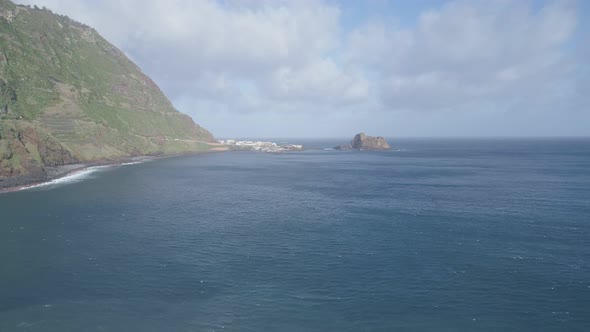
(411,137)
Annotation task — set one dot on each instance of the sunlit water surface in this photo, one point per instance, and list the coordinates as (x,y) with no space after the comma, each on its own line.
(437,235)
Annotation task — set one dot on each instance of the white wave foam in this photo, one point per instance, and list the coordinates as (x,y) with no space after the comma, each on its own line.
(140,161)
(68,179)
(132,163)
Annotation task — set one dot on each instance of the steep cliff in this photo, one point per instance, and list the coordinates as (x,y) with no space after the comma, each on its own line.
(68,96)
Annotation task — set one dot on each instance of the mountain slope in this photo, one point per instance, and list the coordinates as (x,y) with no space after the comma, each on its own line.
(69,96)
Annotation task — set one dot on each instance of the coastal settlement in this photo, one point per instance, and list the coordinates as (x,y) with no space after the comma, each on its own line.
(260,146)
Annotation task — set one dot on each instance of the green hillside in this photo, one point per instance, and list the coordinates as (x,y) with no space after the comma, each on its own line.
(67,96)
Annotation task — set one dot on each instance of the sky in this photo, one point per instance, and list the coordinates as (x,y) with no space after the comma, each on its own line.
(305,68)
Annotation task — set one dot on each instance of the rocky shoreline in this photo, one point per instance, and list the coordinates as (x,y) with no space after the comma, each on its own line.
(53,173)
(49,174)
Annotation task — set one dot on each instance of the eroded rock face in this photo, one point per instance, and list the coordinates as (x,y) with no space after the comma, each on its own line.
(364,142)
(24,150)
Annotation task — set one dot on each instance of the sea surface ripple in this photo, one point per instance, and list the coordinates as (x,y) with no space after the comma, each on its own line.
(437,235)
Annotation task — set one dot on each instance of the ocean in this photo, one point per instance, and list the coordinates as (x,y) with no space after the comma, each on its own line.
(436,235)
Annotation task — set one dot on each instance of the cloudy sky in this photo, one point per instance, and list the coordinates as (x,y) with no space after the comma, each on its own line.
(246,68)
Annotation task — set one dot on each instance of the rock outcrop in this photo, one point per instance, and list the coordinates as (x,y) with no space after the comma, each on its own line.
(364,142)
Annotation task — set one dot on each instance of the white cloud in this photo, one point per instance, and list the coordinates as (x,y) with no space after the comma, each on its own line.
(237,40)
(184,40)
(257,57)
(468,52)
(319,81)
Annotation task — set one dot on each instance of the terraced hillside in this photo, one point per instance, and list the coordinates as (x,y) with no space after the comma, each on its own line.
(68,96)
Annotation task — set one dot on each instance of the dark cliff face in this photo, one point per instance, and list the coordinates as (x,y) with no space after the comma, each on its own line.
(364,142)
(67,95)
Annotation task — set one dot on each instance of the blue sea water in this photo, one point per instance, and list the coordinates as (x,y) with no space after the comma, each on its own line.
(437,235)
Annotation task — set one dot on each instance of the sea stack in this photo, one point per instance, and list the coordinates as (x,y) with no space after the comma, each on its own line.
(364,142)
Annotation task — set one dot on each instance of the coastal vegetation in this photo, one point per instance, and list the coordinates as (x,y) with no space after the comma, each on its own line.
(69,96)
